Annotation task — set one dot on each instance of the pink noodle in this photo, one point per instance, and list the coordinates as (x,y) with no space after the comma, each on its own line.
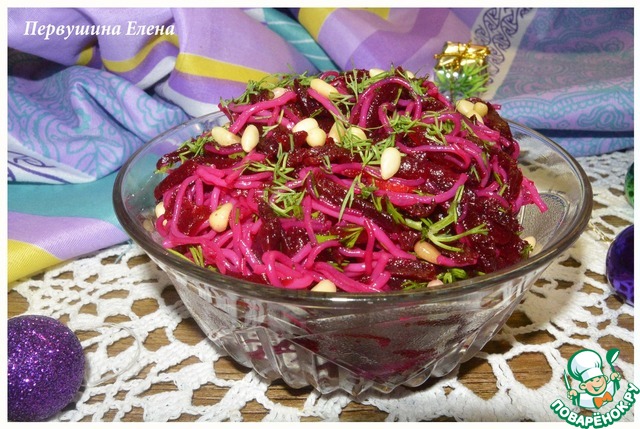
(491,192)
(340,168)
(463,162)
(209,176)
(292,117)
(302,253)
(380,265)
(306,210)
(402,199)
(475,152)
(382,116)
(222,150)
(368,251)
(389,245)
(433,91)
(317,249)
(329,73)
(326,103)
(199,192)
(342,281)
(533,195)
(244,116)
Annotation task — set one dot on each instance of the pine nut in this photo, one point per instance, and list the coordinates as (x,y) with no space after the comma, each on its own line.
(278,91)
(481,108)
(316,137)
(336,132)
(223,136)
(324,286)
(250,138)
(465,107)
(305,125)
(357,132)
(375,72)
(219,218)
(409,74)
(148,225)
(390,162)
(435,282)
(159,209)
(426,251)
(322,87)
(478,117)
(531,240)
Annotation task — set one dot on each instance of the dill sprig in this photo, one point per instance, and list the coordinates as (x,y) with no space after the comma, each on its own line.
(434,230)
(452,274)
(348,239)
(403,124)
(253,88)
(194,147)
(357,187)
(398,218)
(286,80)
(281,172)
(197,256)
(370,153)
(409,284)
(351,194)
(286,202)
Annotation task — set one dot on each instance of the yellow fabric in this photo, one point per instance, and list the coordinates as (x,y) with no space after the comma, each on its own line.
(208,67)
(382,12)
(313,18)
(131,63)
(85,56)
(25,259)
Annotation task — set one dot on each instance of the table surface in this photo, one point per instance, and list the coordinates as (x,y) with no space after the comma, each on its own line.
(176,365)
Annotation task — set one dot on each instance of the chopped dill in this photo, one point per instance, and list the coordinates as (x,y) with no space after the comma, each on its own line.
(452,274)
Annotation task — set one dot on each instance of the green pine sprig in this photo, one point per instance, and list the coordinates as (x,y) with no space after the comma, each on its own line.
(469,81)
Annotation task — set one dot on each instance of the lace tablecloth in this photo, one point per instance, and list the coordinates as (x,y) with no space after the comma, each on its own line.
(147,360)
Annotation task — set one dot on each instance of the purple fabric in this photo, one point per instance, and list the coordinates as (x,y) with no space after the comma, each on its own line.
(88,235)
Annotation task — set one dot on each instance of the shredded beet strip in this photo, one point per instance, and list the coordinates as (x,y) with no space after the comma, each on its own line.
(261,245)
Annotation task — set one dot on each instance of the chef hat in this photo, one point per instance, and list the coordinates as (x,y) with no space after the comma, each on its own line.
(584,365)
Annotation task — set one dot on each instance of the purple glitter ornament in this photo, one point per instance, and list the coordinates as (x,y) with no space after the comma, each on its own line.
(46,367)
(620,264)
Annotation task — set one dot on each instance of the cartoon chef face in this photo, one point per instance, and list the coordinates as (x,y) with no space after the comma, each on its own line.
(586,366)
(596,385)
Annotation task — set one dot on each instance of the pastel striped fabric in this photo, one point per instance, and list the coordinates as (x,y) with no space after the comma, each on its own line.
(87,87)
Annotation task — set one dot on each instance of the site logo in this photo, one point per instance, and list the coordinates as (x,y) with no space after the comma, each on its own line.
(596,391)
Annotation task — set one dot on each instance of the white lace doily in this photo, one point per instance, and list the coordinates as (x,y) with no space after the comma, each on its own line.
(132,326)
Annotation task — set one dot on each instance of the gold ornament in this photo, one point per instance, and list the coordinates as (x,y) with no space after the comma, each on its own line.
(461,71)
(456,55)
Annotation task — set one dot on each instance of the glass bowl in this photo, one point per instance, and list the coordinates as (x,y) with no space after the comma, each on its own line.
(357,342)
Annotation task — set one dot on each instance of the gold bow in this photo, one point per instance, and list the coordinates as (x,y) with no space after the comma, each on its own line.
(455,55)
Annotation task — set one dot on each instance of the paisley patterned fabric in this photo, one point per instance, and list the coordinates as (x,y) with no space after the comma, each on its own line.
(570,79)
(87,87)
(80,124)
